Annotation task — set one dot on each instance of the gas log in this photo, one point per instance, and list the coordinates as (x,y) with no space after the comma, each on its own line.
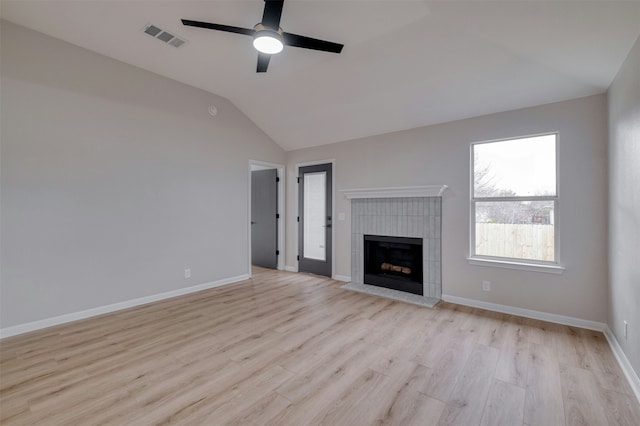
(395,268)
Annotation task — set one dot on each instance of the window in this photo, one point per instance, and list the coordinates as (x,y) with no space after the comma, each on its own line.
(514,200)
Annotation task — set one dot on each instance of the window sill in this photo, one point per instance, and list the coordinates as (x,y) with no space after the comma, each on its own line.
(523,266)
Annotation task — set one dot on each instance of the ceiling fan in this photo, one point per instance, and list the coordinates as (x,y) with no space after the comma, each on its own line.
(268,37)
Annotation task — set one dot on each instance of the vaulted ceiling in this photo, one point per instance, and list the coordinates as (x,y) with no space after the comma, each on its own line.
(405,64)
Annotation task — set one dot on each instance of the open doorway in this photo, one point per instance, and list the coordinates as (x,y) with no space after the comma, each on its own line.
(266,215)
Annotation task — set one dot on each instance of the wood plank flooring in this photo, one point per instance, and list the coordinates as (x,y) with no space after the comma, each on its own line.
(292,349)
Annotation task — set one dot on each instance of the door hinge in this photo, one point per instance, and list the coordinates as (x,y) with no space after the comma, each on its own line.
(298,218)
(277,252)
(298,180)
(277,215)
(298,258)
(277,179)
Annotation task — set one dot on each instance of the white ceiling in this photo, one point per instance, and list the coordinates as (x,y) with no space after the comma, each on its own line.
(405,64)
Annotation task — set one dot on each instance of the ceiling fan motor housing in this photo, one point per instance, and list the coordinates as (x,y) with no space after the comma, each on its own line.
(267,40)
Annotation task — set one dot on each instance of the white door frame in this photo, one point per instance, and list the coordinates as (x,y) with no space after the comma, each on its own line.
(333,210)
(280,172)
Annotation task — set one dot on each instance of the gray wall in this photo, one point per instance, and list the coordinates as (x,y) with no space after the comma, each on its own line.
(439,154)
(624,206)
(114,180)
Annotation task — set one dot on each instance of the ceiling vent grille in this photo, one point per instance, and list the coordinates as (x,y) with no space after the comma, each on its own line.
(164,36)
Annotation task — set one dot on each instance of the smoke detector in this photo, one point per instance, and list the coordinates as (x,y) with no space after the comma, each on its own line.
(163,35)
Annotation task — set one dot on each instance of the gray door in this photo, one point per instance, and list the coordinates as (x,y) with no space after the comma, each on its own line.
(264,218)
(314,233)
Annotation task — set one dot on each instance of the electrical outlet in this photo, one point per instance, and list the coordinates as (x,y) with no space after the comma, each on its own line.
(486,285)
(187,273)
(626,329)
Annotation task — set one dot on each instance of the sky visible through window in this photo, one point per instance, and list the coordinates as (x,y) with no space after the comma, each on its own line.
(520,167)
(509,221)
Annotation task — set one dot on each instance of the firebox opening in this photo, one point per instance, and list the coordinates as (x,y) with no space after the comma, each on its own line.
(393,262)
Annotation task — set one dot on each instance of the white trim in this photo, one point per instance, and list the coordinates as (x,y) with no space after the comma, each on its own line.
(623,361)
(291,268)
(395,192)
(344,278)
(528,313)
(556,209)
(74,316)
(523,266)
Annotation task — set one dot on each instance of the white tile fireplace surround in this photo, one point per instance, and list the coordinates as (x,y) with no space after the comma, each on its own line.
(398,212)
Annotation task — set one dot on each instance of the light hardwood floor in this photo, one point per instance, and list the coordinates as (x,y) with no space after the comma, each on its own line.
(291,349)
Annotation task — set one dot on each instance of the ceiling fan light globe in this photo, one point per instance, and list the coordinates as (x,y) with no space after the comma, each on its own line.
(269,42)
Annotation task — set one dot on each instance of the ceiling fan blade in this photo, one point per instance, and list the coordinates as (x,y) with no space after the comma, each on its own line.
(296,40)
(272,13)
(227,28)
(263,62)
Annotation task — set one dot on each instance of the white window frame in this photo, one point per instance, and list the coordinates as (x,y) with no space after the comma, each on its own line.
(508,262)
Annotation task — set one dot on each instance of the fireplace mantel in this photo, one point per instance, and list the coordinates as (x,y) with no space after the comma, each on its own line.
(395,192)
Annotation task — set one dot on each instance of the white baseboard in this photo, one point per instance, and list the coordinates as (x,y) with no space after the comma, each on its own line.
(343,278)
(528,313)
(74,316)
(623,361)
(290,268)
(625,365)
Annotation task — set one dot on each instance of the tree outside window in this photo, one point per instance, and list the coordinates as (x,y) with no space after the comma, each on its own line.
(514,199)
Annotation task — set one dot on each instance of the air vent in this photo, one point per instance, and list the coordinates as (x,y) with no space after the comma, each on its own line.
(177,42)
(164,36)
(152,30)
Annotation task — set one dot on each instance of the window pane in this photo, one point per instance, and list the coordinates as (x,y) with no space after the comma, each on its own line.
(517,167)
(516,229)
(314,215)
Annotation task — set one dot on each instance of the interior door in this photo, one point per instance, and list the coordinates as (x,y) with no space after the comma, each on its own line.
(264,218)
(314,233)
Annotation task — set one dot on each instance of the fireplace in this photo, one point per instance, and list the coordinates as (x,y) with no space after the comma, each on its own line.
(394,262)
(416,215)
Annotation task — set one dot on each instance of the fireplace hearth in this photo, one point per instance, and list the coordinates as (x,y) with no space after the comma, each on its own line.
(394,262)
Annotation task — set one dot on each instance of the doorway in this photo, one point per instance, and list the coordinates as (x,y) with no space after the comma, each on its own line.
(315,206)
(265,217)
